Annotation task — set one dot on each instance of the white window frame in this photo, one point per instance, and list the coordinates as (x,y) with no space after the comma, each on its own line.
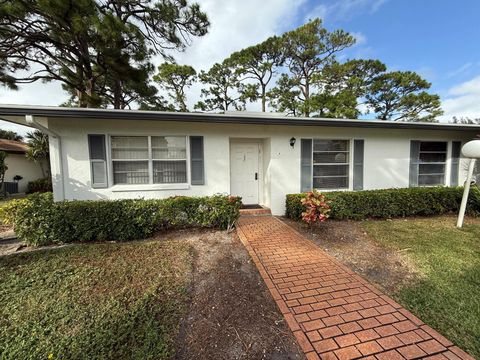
(447,163)
(150,186)
(350,163)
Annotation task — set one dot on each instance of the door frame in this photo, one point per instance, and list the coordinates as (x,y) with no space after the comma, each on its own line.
(260,183)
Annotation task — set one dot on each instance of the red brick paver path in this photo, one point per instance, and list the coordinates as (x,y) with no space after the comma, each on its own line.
(333,312)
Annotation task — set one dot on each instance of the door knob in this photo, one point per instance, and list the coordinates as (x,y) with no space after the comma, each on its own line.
(256,176)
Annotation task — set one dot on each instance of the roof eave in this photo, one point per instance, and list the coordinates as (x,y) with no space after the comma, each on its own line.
(15,114)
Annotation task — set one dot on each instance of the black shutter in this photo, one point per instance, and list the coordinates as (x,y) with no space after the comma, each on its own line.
(306,176)
(197,163)
(358,156)
(456,148)
(414,160)
(98,161)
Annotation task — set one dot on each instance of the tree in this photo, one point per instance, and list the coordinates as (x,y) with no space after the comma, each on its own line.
(98,50)
(401,95)
(339,87)
(38,150)
(465,120)
(259,63)
(285,96)
(10,135)
(307,50)
(224,89)
(175,79)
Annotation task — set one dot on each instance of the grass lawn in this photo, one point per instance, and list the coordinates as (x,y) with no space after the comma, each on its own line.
(447,294)
(94,301)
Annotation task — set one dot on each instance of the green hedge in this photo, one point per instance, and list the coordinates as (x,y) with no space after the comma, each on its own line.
(39,185)
(40,221)
(390,203)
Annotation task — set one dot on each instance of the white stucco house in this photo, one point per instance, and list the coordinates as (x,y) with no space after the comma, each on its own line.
(18,165)
(113,154)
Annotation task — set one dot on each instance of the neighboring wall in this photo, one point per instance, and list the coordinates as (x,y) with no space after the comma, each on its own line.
(18,164)
(387,156)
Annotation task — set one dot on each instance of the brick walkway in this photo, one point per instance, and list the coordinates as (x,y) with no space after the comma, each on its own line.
(333,312)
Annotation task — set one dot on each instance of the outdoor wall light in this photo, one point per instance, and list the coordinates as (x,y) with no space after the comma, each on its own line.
(292,142)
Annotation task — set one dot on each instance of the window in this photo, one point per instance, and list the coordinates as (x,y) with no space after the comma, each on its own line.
(149,159)
(432,159)
(98,160)
(169,154)
(331,164)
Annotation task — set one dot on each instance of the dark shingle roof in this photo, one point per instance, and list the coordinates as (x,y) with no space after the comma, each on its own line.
(13,147)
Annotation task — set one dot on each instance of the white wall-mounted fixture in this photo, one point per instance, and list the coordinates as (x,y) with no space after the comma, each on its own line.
(470,150)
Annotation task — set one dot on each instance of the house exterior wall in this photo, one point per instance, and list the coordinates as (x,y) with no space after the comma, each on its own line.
(386,160)
(18,164)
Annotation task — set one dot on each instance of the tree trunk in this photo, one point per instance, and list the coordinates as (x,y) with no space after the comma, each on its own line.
(264,98)
(307,98)
(117,94)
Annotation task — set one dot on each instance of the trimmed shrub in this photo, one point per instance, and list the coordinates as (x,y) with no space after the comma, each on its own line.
(390,203)
(316,208)
(39,185)
(40,221)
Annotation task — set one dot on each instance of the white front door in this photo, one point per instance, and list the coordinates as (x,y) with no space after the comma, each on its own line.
(244,175)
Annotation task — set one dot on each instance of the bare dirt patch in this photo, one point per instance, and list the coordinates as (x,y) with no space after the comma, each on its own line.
(349,243)
(231,315)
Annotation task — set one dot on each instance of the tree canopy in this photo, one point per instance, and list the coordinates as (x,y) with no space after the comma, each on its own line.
(176,79)
(259,63)
(401,95)
(223,89)
(100,50)
(102,53)
(10,135)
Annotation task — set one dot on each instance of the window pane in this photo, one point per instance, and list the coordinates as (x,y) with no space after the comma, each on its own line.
(330,183)
(130,141)
(433,157)
(329,170)
(433,146)
(330,157)
(129,147)
(130,172)
(330,145)
(431,180)
(97,147)
(99,172)
(169,147)
(168,172)
(425,169)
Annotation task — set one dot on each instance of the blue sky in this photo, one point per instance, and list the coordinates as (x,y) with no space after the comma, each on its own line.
(437,38)
(440,39)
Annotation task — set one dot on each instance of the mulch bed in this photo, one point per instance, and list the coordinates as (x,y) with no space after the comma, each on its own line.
(232,314)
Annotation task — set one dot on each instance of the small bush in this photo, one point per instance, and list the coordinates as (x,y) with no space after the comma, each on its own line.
(40,221)
(390,203)
(316,208)
(39,186)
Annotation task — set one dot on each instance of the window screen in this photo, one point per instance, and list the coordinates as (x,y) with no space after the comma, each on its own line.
(432,158)
(331,164)
(149,159)
(98,161)
(169,154)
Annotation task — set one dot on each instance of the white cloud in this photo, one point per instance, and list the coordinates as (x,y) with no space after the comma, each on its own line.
(460,70)
(234,25)
(360,38)
(462,100)
(238,24)
(346,9)
(320,11)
